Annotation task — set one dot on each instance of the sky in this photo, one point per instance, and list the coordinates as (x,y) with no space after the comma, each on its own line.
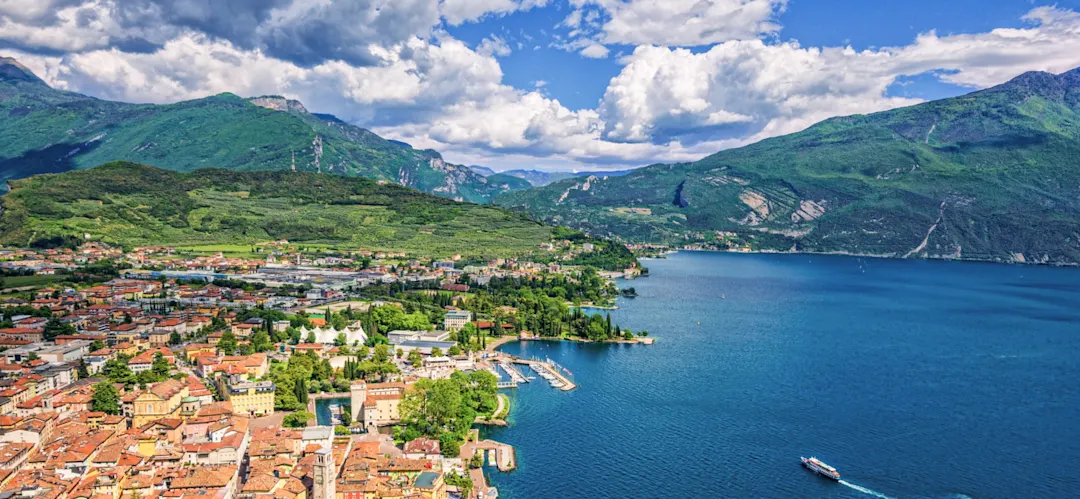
(548,84)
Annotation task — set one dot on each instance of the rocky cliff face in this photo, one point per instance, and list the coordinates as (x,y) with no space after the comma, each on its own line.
(279,103)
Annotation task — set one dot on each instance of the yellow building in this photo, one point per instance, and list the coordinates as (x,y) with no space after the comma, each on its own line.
(256,398)
(431,485)
(255,364)
(162,400)
(194,349)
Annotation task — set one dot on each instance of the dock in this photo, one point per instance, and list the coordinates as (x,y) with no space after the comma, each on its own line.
(545,367)
(502,455)
(515,375)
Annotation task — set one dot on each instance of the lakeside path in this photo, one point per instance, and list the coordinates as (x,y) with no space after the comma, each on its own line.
(491,347)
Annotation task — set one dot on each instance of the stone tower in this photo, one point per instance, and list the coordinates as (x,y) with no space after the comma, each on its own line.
(357,396)
(325,475)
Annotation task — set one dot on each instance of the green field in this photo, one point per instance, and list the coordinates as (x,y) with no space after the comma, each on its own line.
(30,280)
(211,210)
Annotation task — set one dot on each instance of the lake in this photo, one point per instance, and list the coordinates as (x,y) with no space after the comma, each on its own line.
(913,378)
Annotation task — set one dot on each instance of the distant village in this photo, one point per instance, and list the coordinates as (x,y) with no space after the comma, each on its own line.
(157,373)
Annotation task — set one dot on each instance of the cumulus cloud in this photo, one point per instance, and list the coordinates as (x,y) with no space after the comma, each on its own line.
(684,22)
(493,45)
(595,51)
(460,11)
(423,86)
(756,90)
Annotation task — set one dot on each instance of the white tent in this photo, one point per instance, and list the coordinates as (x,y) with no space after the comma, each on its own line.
(354,333)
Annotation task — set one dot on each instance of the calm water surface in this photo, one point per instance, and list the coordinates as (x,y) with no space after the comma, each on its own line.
(915,379)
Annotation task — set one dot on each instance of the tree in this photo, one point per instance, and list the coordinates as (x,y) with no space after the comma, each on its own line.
(415,358)
(298,419)
(382,353)
(159,366)
(97,345)
(454,350)
(175,338)
(105,399)
(118,371)
(301,392)
(450,444)
(227,343)
(260,341)
(363,352)
(436,352)
(310,337)
(346,415)
(341,340)
(54,328)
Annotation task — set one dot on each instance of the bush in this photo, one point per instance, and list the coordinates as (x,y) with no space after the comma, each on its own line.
(298,419)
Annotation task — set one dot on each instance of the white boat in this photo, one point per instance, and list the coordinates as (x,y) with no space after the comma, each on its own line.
(818,466)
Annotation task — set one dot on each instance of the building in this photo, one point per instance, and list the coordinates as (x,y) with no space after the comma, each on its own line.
(376,404)
(250,397)
(424,341)
(456,319)
(162,400)
(325,475)
(431,485)
(68,352)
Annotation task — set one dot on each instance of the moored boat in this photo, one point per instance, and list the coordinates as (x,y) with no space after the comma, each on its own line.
(818,466)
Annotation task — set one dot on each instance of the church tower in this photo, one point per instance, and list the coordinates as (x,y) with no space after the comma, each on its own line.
(325,475)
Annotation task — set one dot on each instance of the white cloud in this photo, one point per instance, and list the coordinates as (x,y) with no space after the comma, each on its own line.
(493,45)
(429,89)
(685,22)
(595,51)
(461,11)
(760,90)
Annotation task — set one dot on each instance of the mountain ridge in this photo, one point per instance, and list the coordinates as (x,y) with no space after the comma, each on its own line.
(45,130)
(991,175)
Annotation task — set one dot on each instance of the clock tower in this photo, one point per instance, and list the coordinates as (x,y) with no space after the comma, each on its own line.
(325,475)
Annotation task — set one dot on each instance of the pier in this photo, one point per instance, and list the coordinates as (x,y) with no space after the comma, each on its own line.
(499,454)
(515,375)
(546,367)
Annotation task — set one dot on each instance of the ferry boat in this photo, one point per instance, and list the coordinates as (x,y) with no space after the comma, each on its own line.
(819,467)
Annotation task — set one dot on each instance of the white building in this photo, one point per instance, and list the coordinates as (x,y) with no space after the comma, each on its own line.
(456,319)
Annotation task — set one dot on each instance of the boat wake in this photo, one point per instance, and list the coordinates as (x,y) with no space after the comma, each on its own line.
(865,490)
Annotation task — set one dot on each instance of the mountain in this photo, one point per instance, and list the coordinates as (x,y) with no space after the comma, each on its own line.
(135,205)
(992,175)
(45,130)
(482,170)
(537,178)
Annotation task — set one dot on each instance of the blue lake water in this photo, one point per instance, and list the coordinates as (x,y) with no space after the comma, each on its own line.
(913,378)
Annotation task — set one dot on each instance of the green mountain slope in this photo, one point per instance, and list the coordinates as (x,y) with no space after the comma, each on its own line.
(130,205)
(44,130)
(993,175)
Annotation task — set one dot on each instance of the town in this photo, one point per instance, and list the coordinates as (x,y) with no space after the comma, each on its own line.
(284,373)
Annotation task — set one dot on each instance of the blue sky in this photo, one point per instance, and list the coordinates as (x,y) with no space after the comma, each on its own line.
(579,82)
(548,84)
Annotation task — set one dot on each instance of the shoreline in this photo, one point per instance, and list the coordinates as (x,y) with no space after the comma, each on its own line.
(881,257)
(638,340)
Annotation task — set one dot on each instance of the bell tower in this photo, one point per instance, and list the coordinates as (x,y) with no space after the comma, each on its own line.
(325,475)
